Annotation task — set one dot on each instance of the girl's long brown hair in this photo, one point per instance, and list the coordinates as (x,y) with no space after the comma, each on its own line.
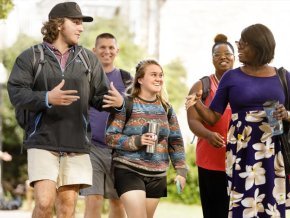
(135,89)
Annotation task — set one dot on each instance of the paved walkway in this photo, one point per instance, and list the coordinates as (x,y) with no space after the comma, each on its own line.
(15,214)
(164,210)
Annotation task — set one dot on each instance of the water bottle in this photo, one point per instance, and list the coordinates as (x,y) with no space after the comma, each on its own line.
(153,127)
(276,125)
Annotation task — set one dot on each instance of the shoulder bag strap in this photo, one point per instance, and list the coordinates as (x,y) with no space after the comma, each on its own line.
(38,64)
(205,87)
(282,76)
(86,61)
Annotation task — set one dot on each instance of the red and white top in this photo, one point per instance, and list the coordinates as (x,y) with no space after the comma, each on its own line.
(207,156)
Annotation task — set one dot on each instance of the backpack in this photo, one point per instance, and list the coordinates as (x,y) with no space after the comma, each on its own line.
(126,78)
(205,92)
(23,116)
(205,87)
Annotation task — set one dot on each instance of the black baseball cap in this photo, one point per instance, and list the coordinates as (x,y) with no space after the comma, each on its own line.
(69,10)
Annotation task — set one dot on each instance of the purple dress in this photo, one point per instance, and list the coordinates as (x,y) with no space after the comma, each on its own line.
(257,183)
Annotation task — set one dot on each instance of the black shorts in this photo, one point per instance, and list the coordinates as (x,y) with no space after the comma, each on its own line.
(127,180)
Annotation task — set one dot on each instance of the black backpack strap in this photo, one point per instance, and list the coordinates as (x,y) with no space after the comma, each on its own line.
(86,61)
(128,107)
(128,111)
(126,77)
(38,64)
(168,109)
(34,57)
(284,138)
(282,76)
(169,113)
(205,87)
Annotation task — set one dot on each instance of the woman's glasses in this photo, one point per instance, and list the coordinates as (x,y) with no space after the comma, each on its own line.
(218,55)
(240,44)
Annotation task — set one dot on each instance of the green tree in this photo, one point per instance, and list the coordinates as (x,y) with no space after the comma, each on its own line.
(12,133)
(5,7)
(190,194)
(175,76)
(15,171)
(130,53)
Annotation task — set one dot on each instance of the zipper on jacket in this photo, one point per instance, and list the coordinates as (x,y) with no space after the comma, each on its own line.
(62,74)
(35,124)
(72,59)
(86,128)
(62,70)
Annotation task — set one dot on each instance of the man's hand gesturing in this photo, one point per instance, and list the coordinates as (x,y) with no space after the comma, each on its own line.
(62,97)
(114,98)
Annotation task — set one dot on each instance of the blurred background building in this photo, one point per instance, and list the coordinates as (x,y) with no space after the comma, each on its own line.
(168,28)
(142,17)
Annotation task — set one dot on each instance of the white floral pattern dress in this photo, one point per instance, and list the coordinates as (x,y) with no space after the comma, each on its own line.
(257,184)
(255,168)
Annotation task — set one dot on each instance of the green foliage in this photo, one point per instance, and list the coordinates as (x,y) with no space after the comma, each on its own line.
(8,55)
(16,170)
(130,53)
(190,194)
(12,133)
(5,7)
(175,76)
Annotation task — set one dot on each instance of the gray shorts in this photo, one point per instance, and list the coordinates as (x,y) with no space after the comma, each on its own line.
(103,178)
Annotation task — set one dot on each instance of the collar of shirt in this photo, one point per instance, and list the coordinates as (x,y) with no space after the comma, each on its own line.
(62,58)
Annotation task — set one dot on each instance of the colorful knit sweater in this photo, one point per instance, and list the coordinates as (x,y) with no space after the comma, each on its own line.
(125,138)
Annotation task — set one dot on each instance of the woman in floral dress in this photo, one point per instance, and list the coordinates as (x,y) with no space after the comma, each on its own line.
(257,183)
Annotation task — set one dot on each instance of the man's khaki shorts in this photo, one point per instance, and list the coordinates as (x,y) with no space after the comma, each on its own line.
(68,169)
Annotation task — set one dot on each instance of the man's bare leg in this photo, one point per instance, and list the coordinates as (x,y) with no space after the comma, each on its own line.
(66,200)
(44,196)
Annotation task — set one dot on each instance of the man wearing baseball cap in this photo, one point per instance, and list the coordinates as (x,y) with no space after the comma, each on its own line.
(57,99)
(68,10)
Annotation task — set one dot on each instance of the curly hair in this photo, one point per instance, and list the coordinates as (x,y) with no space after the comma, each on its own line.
(50,29)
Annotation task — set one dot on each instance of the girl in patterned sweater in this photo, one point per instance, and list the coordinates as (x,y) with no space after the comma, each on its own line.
(140,177)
